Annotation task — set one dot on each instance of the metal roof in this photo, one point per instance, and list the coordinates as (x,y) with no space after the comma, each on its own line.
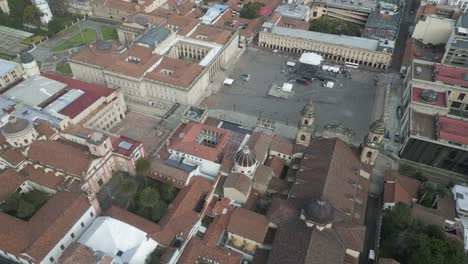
(63,101)
(355,42)
(34,90)
(154,36)
(6,66)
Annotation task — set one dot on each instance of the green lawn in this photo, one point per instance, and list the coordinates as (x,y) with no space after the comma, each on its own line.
(65,68)
(109,33)
(5,56)
(67,31)
(33,40)
(89,36)
(331,25)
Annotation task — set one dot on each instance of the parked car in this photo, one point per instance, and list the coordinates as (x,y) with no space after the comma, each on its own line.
(245,77)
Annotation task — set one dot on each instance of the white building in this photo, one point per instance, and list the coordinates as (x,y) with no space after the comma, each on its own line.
(126,243)
(433,29)
(10,72)
(460,195)
(44,9)
(4,6)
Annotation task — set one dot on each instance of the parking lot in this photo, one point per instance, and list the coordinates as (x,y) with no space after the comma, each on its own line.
(350,102)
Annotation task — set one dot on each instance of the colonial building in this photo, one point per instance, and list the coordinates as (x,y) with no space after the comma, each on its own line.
(121,9)
(373,142)
(10,72)
(306,125)
(363,51)
(161,64)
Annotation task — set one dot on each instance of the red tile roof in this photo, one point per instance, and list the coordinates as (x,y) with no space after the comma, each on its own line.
(213,34)
(416,97)
(136,70)
(248,224)
(93,56)
(399,188)
(78,253)
(10,181)
(184,140)
(126,6)
(293,23)
(196,249)
(451,129)
(448,74)
(12,156)
(184,24)
(63,156)
(92,92)
(39,176)
(276,163)
(183,73)
(126,152)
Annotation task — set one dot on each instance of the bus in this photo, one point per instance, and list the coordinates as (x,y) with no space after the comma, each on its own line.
(351,65)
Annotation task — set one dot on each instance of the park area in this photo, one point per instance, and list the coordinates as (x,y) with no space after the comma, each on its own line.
(86,37)
(109,33)
(330,25)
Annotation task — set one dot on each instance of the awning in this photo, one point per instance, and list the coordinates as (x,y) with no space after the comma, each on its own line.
(228,81)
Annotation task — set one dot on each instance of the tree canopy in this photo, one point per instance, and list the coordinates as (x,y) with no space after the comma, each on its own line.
(142,166)
(411,242)
(150,197)
(250,10)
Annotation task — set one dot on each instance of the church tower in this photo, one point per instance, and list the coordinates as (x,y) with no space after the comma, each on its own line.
(306,124)
(373,142)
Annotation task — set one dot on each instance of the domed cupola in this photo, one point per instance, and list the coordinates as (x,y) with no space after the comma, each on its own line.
(19,132)
(378,127)
(308,110)
(245,162)
(318,213)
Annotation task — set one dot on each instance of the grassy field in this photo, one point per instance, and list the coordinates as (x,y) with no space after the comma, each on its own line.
(65,68)
(67,31)
(89,36)
(331,25)
(33,40)
(109,33)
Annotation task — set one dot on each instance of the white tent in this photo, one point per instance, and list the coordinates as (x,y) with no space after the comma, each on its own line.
(126,243)
(311,58)
(291,63)
(287,87)
(228,81)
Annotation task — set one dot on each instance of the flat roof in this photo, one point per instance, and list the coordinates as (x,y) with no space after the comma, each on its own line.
(6,66)
(441,100)
(423,125)
(422,71)
(34,90)
(15,32)
(454,130)
(453,75)
(154,36)
(349,41)
(292,11)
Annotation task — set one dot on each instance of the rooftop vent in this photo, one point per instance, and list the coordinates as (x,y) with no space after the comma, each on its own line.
(429,96)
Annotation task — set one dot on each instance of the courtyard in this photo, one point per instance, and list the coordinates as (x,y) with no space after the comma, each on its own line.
(352,102)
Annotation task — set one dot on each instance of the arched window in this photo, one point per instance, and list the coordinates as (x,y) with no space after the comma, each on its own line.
(306,122)
(303,137)
(369,154)
(374,138)
(26,141)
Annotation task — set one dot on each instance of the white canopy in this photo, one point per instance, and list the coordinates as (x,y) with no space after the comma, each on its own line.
(287,87)
(291,63)
(311,58)
(228,81)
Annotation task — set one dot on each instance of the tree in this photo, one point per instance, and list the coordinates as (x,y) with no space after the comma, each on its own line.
(150,197)
(167,191)
(25,209)
(250,10)
(129,188)
(396,219)
(31,15)
(158,212)
(429,193)
(153,258)
(142,166)
(55,25)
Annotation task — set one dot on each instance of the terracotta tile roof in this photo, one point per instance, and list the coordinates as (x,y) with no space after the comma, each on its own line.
(231,21)
(184,24)
(248,224)
(282,145)
(227,164)
(12,156)
(388,261)
(158,166)
(181,216)
(136,70)
(182,73)
(293,23)
(35,238)
(126,6)
(45,130)
(132,219)
(93,56)
(278,185)
(259,142)
(196,249)
(276,163)
(263,174)
(41,177)
(331,170)
(150,19)
(212,34)
(78,253)
(281,211)
(240,182)
(399,188)
(64,156)
(352,234)
(10,181)
(184,140)
(92,92)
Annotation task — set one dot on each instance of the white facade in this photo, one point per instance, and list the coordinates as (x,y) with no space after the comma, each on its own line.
(44,9)
(31,69)
(73,234)
(10,72)
(4,6)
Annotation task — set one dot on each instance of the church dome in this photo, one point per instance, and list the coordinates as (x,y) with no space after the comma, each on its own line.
(378,126)
(245,158)
(16,126)
(26,57)
(319,212)
(309,109)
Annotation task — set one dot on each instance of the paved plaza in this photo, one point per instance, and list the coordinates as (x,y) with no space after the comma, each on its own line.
(352,102)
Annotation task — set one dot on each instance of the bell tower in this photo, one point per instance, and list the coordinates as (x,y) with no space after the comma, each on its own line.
(306,125)
(373,142)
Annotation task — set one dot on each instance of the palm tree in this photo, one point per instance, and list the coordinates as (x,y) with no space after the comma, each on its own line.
(129,188)
(150,197)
